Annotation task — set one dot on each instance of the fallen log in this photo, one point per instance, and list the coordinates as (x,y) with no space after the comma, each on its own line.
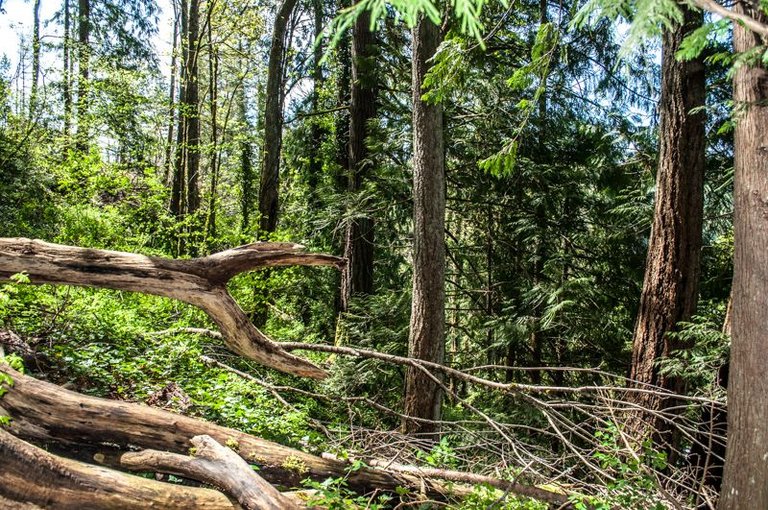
(215,465)
(34,478)
(200,282)
(45,412)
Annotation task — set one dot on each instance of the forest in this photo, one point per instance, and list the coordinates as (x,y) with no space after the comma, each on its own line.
(391,254)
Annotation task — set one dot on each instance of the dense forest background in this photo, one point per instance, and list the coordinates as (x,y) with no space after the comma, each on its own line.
(491,181)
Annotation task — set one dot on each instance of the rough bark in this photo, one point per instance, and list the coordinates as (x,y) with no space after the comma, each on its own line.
(670,286)
(33,478)
(42,411)
(200,282)
(423,397)
(745,483)
(357,277)
(273,121)
(215,465)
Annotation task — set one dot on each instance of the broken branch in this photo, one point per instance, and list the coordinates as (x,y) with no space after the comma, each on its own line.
(200,282)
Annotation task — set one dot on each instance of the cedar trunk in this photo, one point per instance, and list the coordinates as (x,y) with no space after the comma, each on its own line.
(670,286)
(745,483)
(423,395)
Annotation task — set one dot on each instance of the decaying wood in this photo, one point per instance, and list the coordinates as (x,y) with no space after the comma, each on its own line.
(216,465)
(33,478)
(43,411)
(200,282)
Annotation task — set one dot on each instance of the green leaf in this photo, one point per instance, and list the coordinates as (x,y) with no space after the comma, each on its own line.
(694,43)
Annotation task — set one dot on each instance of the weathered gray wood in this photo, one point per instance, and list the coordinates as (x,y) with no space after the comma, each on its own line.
(33,478)
(216,465)
(200,282)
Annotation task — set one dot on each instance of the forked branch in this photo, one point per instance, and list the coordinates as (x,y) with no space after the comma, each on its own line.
(200,282)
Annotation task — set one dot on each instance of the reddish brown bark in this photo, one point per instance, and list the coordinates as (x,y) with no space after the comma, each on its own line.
(745,483)
(670,286)
(423,396)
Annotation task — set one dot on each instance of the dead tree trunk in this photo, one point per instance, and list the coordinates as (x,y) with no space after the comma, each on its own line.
(200,282)
(42,411)
(33,477)
(215,465)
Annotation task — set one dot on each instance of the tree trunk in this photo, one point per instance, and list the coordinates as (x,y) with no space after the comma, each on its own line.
(670,286)
(273,122)
(168,166)
(66,75)
(83,66)
(185,194)
(745,483)
(35,59)
(357,278)
(316,130)
(246,164)
(179,187)
(192,106)
(343,102)
(423,397)
(213,77)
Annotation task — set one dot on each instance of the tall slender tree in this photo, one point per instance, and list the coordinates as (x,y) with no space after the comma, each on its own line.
(316,132)
(35,58)
(83,71)
(423,396)
(66,72)
(168,166)
(357,276)
(247,176)
(185,195)
(745,483)
(670,286)
(213,108)
(273,121)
